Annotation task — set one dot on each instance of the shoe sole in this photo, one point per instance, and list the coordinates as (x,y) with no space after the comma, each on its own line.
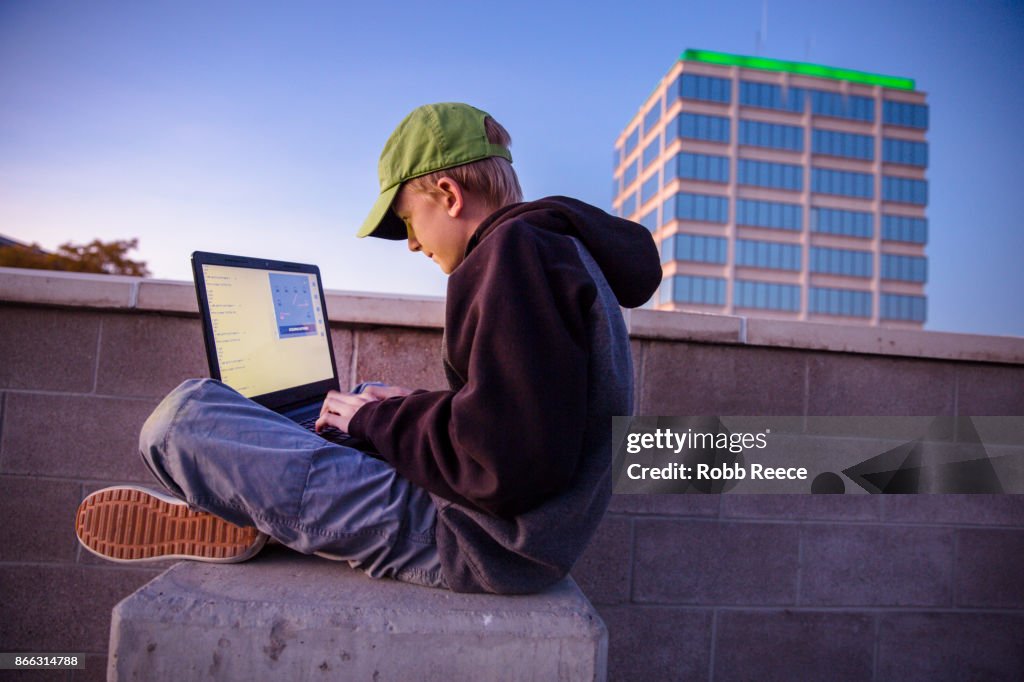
(130,524)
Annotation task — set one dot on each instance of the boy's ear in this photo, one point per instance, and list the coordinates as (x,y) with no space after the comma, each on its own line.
(452,196)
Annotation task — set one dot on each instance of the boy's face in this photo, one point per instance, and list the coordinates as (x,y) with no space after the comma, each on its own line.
(432,228)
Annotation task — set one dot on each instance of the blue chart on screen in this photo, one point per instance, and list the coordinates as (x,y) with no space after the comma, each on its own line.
(293,306)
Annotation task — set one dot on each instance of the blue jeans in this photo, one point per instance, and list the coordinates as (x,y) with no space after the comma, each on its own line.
(227,455)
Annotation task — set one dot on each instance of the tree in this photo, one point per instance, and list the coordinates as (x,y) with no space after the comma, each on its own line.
(102,257)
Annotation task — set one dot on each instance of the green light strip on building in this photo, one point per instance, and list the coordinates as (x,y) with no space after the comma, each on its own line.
(816,70)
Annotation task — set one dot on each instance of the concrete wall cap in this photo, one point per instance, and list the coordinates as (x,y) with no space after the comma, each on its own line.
(135,293)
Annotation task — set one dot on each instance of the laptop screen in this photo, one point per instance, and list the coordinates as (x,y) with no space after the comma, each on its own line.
(268,328)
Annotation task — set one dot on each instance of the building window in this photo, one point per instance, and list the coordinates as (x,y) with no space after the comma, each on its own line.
(694,247)
(652,151)
(629,175)
(905,268)
(848,145)
(906,152)
(616,158)
(773,214)
(706,88)
(904,190)
(846,223)
(628,207)
(631,142)
(844,183)
(649,189)
(650,220)
(768,96)
(900,228)
(845,302)
(905,114)
(693,289)
(698,167)
(841,262)
(768,174)
(652,117)
(702,207)
(772,255)
(900,307)
(835,105)
(674,91)
(773,135)
(699,127)
(767,295)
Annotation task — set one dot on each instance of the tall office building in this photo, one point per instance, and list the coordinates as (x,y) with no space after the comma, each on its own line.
(781,189)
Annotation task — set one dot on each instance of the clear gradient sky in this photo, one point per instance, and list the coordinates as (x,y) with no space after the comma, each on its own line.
(255,127)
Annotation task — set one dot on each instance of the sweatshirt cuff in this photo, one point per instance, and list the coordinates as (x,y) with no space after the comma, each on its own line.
(359,424)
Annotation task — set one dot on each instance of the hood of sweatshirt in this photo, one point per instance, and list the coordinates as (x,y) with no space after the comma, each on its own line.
(625,251)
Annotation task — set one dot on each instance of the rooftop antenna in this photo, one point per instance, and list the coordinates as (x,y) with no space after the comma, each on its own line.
(762,34)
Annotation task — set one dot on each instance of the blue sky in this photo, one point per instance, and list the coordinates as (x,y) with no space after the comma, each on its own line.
(255,127)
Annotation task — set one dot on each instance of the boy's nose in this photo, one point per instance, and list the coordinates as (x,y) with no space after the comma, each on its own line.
(413,244)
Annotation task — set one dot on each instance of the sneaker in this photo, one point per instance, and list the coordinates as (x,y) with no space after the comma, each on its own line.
(131,524)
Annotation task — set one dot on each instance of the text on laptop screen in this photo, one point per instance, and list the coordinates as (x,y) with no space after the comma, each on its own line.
(268,328)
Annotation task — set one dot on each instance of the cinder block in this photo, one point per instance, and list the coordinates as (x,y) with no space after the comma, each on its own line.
(793,645)
(648,643)
(986,510)
(81,437)
(803,507)
(991,390)
(48,349)
(342,340)
(148,355)
(876,566)
(385,309)
(884,341)
(659,324)
(62,607)
(951,646)
(95,669)
(704,506)
(603,570)
(290,617)
(988,568)
(705,562)
(167,296)
(403,357)
(38,517)
(875,385)
(66,288)
(688,379)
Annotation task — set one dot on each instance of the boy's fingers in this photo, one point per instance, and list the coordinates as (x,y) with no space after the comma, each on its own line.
(338,409)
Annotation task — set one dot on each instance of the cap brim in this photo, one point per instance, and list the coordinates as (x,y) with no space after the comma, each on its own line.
(382,221)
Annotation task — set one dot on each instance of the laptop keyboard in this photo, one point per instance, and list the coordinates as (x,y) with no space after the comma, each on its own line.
(330,433)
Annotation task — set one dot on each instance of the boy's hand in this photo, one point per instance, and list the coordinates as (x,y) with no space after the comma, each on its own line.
(339,408)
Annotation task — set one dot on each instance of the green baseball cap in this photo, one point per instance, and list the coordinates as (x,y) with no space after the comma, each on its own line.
(432,138)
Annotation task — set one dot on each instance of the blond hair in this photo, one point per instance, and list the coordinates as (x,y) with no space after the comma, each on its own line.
(492,179)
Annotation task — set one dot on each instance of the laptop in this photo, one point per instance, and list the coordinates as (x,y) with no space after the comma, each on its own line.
(266,334)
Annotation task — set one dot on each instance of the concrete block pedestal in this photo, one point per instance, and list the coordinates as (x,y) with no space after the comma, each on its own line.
(292,617)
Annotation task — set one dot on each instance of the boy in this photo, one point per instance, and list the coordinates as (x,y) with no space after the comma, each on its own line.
(494,485)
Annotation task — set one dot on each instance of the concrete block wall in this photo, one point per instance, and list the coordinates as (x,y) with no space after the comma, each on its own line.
(690,587)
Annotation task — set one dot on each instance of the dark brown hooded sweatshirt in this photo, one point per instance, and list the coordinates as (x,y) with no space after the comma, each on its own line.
(517,452)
